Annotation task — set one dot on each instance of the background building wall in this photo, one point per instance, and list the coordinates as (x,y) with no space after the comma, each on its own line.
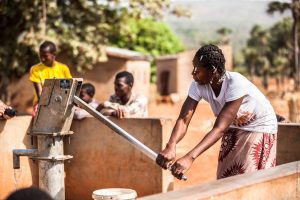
(185,68)
(141,73)
(166,75)
(102,76)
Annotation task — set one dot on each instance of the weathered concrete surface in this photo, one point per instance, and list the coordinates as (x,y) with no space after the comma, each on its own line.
(13,136)
(288,143)
(92,169)
(281,182)
(103,159)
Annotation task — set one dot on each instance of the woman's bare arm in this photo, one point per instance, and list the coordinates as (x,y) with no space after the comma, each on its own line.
(187,111)
(169,153)
(223,121)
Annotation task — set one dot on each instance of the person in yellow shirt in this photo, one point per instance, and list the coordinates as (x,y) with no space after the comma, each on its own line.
(46,69)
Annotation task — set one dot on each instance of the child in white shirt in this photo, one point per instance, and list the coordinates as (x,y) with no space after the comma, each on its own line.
(87,93)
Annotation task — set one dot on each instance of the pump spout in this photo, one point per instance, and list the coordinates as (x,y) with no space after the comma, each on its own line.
(22,152)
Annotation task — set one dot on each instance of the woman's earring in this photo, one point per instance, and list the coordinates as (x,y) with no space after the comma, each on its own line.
(211,80)
(212,76)
(221,79)
(194,71)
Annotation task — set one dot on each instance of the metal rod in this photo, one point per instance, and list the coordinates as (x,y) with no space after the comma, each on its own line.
(136,143)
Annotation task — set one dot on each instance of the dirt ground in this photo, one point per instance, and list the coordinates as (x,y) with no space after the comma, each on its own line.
(204,167)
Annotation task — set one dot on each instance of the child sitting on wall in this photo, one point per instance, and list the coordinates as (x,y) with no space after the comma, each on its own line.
(87,93)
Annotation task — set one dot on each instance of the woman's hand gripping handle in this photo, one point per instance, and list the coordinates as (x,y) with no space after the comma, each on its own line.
(166,158)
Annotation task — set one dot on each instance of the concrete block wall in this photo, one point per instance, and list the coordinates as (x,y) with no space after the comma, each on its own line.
(288,143)
(280,182)
(13,136)
(102,159)
(276,183)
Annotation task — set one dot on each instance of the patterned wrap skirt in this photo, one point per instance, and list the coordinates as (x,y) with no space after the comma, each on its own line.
(245,151)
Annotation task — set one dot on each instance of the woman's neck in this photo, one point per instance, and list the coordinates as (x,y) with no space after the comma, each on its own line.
(216,84)
(216,88)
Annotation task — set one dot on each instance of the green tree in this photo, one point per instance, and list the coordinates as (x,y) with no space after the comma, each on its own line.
(281,71)
(256,53)
(78,27)
(268,51)
(250,58)
(281,48)
(225,34)
(294,7)
(149,37)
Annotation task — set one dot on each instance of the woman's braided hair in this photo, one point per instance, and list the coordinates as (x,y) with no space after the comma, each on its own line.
(211,56)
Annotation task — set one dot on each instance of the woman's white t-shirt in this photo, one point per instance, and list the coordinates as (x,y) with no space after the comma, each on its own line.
(255,113)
